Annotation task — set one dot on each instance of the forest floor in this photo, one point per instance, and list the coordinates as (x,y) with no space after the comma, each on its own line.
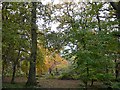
(47,83)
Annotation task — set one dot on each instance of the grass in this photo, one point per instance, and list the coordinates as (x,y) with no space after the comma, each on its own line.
(16,85)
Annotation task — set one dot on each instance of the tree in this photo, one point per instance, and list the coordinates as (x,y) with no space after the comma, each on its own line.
(90,39)
(116,7)
(32,70)
(15,38)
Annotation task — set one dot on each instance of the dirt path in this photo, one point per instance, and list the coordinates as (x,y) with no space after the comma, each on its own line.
(48,83)
(54,83)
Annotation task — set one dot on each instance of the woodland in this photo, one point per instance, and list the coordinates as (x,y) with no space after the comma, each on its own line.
(65,45)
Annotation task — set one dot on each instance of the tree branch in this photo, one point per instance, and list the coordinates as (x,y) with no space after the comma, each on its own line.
(113,4)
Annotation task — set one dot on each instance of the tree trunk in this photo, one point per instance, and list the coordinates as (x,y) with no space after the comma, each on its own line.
(98,18)
(116,6)
(32,70)
(50,70)
(13,75)
(116,69)
(87,68)
(14,68)
(3,68)
(92,81)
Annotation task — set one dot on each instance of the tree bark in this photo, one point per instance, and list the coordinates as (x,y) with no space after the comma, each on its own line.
(98,18)
(3,68)
(14,68)
(116,6)
(13,75)
(32,70)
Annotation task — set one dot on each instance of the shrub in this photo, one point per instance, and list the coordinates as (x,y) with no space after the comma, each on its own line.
(66,76)
(116,85)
